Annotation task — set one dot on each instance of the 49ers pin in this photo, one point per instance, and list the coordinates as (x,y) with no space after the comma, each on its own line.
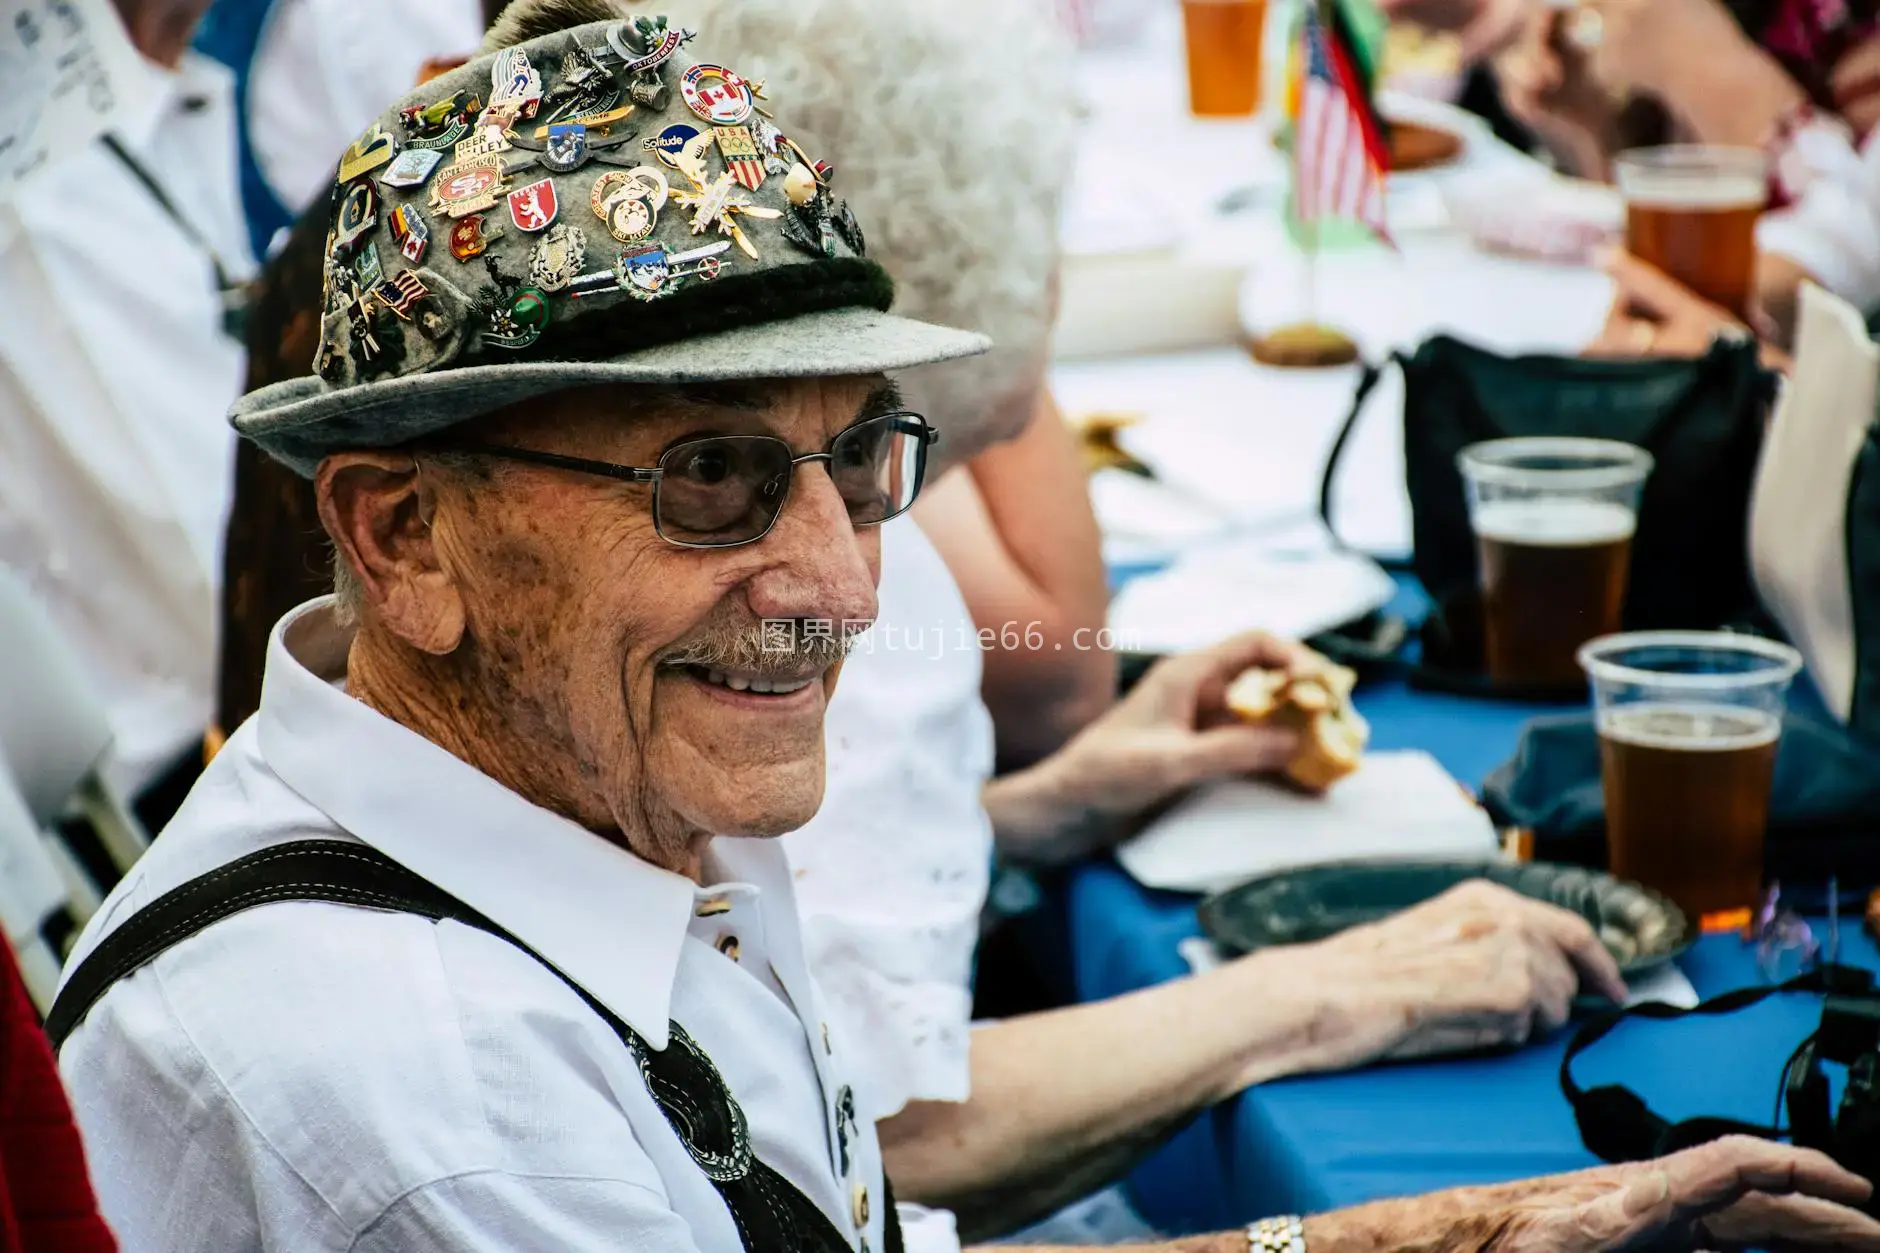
(533,208)
(467,187)
(716,94)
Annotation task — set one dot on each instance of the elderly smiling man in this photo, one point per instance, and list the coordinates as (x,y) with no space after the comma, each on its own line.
(452,948)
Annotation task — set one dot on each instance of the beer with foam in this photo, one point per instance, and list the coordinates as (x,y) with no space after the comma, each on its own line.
(1687,798)
(1553,577)
(1691,211)
(1553,518)
(1689,723)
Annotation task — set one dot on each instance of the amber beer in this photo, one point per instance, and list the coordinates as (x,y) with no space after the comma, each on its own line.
(1553,577)
(1691,211)
(1223,38)
(1687,797)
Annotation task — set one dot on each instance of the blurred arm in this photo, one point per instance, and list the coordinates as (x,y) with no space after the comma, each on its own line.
(1016,529)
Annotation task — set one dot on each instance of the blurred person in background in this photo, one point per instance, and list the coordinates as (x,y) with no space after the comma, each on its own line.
(309,75)
(1798,79)
(114,375)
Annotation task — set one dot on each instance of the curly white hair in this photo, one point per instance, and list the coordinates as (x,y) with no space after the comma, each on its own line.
(951,125)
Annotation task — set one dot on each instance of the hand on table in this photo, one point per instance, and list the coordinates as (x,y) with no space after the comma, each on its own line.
(1731,1194)
(1171,733)
(1654,315)
(1477,967)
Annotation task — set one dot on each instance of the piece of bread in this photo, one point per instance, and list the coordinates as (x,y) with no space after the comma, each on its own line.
(1306,346)
(1315,700)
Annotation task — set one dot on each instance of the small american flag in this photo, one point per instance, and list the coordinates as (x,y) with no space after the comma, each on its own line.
(1340,155)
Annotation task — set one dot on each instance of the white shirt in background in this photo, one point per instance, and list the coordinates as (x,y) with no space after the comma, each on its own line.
(891,874)
(326,69)
(115,382)
(1832,230)
(312,1076)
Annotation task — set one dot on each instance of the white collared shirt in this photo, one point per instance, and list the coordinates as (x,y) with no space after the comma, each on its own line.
(892,873)
(116,458)
(311,1076)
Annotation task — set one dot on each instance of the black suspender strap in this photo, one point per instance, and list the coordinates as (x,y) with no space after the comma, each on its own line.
(772,1216)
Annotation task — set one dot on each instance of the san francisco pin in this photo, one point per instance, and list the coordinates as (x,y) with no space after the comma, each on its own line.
(468,187)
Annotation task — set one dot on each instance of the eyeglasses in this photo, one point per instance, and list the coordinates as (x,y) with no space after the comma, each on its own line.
(725,490)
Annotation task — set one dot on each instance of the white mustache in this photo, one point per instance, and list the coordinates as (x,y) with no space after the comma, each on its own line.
(781,648)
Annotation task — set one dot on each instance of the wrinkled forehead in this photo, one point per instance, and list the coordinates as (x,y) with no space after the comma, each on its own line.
(795,409)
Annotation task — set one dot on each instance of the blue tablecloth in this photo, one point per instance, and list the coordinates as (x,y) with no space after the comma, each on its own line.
(1333,1140)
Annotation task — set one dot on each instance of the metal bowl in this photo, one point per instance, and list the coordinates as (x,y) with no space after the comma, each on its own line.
(1640,928)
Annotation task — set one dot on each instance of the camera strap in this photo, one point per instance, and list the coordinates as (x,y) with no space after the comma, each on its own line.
(1616,1124)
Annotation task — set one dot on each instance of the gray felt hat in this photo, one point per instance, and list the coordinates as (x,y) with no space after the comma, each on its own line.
(592,206)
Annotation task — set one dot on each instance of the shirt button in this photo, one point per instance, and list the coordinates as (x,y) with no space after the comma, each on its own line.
(826,1045)
(858,1205)
(728,945)
(712,906)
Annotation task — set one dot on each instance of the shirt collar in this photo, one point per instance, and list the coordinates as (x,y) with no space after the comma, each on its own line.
(608,920)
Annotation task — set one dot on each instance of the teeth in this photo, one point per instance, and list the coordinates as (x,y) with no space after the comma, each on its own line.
(768,687)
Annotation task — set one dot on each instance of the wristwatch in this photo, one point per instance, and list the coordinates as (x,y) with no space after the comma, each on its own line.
(1277,1235)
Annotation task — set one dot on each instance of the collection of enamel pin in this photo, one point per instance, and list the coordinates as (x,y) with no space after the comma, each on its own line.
(526,128)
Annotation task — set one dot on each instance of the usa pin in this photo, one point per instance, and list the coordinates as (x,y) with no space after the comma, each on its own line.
(739,150)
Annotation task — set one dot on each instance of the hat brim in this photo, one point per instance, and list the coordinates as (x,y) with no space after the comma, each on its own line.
(300,421)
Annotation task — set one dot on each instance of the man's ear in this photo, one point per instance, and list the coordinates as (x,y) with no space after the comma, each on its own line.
(375,508)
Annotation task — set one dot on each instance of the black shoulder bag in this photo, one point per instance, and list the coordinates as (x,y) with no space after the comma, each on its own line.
(1701,418)
(771,1214)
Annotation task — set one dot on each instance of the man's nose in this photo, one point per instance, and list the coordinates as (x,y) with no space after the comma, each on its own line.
(819,565)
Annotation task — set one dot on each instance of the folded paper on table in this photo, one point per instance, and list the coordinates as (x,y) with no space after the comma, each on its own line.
(1397,805)
(1220,590)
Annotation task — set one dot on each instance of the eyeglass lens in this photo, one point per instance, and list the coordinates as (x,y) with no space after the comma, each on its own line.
(729,489)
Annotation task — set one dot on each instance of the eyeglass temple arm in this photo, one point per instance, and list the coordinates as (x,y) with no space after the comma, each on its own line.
(626,474)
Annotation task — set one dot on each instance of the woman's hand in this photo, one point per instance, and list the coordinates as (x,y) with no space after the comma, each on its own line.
(1547,85)
(1654,315)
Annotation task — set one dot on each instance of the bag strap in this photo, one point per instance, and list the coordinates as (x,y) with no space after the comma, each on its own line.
(1616,1124)
(1367,382)
(772,1216)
